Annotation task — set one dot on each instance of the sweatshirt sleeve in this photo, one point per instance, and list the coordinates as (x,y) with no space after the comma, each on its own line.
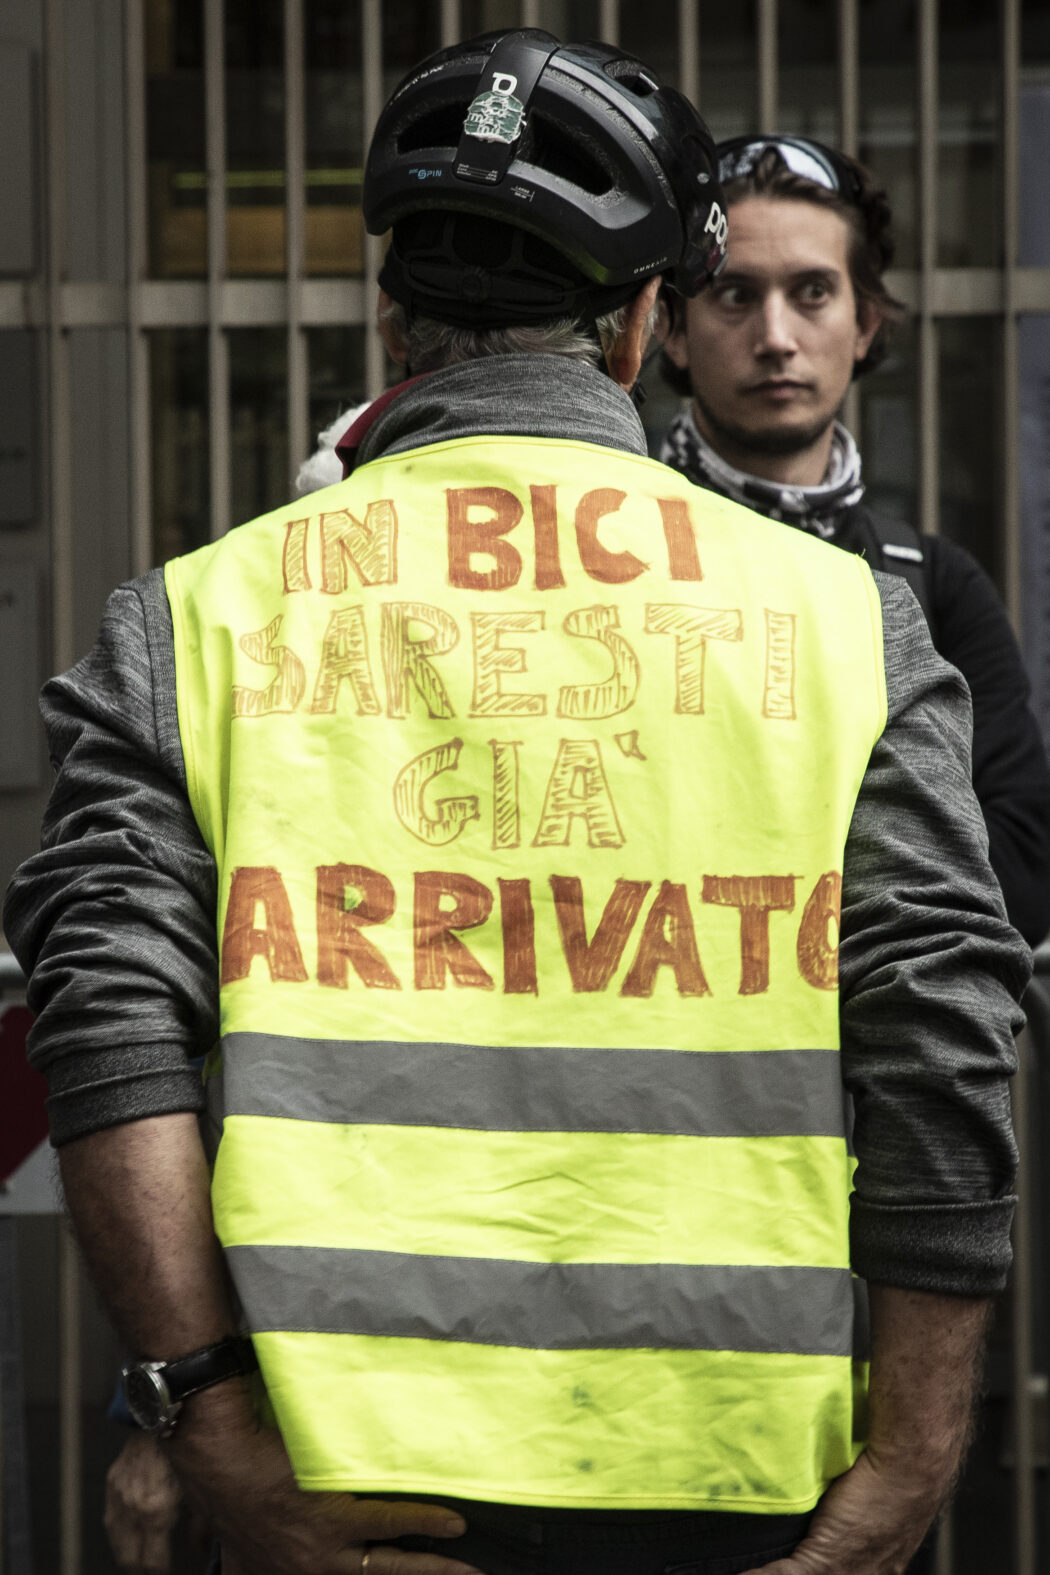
(1011,775)
(930,975)
(113,920)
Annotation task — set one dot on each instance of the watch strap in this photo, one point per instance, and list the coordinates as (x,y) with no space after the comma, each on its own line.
(212,1364)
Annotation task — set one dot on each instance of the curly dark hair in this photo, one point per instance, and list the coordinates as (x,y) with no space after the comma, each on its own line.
(872,242)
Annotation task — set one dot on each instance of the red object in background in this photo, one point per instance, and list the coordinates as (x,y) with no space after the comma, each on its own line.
(23,1117)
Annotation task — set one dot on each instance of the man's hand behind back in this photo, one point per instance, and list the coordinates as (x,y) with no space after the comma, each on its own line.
(142,1505)
(240,1475)
(869,1522)
(925,1366)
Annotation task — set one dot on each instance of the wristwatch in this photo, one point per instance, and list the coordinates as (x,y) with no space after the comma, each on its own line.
(154,1391)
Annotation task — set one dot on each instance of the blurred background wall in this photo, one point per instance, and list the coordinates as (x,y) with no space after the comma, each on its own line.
(185,299)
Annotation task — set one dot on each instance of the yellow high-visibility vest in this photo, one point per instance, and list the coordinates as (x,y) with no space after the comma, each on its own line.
(528,768)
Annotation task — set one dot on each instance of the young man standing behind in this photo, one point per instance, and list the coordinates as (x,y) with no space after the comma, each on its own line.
(768,354)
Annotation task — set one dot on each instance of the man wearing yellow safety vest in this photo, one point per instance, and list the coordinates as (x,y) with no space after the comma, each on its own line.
(544,845)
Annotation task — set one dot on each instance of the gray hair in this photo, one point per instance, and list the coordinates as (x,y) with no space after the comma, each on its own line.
(430,345)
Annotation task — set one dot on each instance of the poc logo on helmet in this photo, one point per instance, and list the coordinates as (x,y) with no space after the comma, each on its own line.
(717,224)
(496,116)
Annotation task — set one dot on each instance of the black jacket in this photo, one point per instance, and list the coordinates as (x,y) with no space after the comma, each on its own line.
(970,629)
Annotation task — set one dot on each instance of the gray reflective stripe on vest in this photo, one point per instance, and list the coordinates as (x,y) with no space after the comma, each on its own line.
(546,1306)
(711,1093)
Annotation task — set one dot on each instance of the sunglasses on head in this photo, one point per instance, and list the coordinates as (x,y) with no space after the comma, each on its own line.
(738,156)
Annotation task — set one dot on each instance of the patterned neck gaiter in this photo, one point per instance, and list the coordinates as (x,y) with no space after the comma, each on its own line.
(816,509)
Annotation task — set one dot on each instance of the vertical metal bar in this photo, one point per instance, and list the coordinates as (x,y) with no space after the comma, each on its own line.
(60,442)
(849,76)
(849,123)
(768,94)
(929,446)
(1011,478)
(139,479)
(372,103)
(609,22)
(16,1540)
(450,23)
(298,389)
(689,49)
(69,1399)
(1025,1530)
(218,344)
(1024,1434)
(530,13)
(945,1557)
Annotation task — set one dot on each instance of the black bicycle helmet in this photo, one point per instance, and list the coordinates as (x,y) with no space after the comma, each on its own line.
(525,179)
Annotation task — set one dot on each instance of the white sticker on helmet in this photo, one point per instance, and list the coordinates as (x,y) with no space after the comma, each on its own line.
(496,116)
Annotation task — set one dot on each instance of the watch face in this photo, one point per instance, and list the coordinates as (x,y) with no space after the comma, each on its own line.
(148,1399)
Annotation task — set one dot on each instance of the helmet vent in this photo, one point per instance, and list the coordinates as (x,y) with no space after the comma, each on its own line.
(438,128)
(630,75)
(550,147)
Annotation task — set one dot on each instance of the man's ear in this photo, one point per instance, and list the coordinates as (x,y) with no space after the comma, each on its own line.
(624,356)
(869,321)
(391,337)
(671,331)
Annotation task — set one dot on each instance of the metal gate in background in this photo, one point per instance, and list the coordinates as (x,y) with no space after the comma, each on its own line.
(244,271)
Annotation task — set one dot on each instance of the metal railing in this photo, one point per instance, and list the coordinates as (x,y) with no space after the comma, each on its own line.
(219,304)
